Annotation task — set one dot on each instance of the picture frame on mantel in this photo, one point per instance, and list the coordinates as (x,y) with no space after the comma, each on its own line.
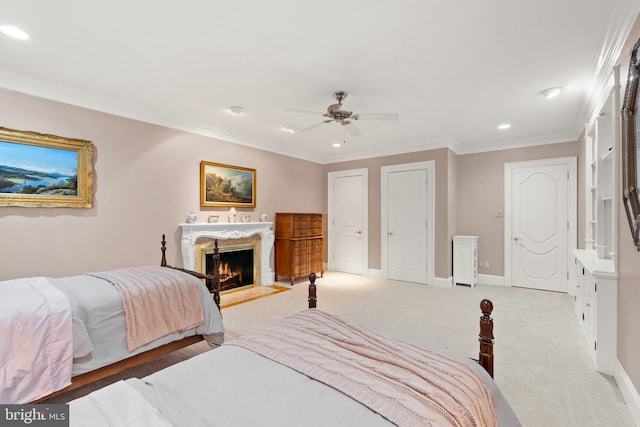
(227,186)
(40,170)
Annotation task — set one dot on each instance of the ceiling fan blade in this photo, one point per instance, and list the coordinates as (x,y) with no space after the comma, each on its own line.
(377,116)
(304,111)
(353,129)
(311,127)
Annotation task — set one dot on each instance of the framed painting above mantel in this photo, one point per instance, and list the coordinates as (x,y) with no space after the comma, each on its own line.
(39,170)
(227,186)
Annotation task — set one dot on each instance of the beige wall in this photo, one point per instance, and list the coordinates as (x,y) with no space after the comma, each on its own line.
(628,261)
(147,180)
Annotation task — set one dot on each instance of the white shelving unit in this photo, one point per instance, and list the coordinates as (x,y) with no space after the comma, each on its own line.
(602,135)
(465,260)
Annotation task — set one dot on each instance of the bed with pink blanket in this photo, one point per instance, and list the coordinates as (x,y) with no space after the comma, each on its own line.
(61,333)
(311,369)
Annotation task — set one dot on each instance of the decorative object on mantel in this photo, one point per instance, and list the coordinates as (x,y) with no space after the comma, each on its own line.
(630,152)
(191,217)
(232,215)
(246,218)
(24,156)
(264,217)
(225,185)
(214,218)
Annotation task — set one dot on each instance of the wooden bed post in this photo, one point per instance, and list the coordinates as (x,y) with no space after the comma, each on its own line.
(212,280)
(215,280)
(312,290)
(163,262)
(486,336)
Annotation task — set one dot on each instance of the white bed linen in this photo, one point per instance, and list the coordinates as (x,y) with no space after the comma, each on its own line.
(232,386)
(98,305)
(137,413)
(37,340)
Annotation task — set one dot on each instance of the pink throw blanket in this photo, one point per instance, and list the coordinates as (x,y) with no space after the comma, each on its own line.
(405,384)
(157,301)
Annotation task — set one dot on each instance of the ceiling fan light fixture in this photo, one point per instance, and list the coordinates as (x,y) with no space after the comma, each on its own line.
(14,32)
(551,92)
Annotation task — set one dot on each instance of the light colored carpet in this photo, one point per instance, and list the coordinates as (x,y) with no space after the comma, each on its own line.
(541,364)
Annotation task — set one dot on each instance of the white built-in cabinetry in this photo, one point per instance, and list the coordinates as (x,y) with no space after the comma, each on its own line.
(596,299)
(465,260)
(594,278)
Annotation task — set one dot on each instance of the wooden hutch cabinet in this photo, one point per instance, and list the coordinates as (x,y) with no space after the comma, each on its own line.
(298,245)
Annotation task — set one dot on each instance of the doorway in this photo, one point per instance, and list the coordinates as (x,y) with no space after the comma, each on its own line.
(407,222)
(540,222)
(348,230)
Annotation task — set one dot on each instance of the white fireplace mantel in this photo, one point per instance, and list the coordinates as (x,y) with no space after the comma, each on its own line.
(223,231)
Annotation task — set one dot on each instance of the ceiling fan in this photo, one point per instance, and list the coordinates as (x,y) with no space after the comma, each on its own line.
(335,113)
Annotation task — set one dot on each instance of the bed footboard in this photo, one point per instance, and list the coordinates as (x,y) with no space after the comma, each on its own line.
(212,281)
(485,358)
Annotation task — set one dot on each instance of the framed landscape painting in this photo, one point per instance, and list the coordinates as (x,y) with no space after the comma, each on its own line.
(38,170)
(226,185)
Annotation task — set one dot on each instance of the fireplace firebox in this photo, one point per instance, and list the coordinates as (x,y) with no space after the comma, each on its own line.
(236,267)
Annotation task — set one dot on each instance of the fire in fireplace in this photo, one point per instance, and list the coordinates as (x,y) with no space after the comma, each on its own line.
(236,267)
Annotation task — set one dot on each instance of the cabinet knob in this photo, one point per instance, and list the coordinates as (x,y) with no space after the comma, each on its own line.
(359,232)
(390,233)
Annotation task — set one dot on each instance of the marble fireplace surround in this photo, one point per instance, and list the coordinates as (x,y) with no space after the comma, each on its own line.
(196,234)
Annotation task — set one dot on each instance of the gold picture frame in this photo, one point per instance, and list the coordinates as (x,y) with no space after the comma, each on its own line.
(39,170)
(227,186)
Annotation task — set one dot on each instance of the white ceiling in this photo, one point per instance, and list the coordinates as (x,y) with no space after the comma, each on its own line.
(452,70)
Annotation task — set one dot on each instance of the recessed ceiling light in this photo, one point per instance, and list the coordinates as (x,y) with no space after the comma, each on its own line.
(336,144)
(552,92)
(235,109)
(14,32)
(504,126)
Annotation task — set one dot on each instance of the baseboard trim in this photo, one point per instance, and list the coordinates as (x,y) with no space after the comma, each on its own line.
(487,279)
(629,392)
(440,282)
(375,273)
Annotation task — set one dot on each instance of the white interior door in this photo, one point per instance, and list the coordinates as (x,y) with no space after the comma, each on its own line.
(407,222)
(347,225)
(541,221)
